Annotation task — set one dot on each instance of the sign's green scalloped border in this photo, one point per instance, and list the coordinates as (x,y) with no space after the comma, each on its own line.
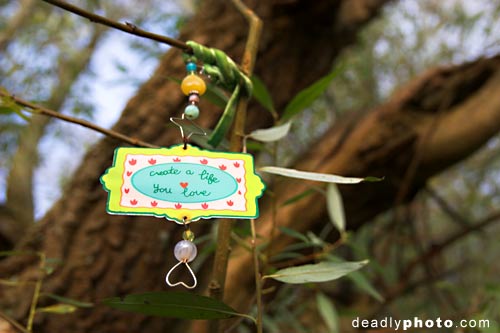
(112,181)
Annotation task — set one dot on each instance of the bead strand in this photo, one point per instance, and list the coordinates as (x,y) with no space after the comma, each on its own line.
(192,86)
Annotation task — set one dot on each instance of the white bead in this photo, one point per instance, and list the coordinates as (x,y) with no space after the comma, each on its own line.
(185,251)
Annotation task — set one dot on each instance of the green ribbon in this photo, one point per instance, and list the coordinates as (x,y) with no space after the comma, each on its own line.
(225,73)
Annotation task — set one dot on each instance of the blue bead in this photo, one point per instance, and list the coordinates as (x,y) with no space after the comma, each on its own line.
(190,67)
(191,111)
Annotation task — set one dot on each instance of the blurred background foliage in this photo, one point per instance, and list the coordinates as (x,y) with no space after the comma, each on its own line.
(86,70)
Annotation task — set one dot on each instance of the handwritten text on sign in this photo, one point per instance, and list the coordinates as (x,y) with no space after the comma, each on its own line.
(179,183)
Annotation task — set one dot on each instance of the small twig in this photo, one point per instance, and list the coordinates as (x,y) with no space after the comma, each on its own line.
(37,109)
(447,208)
(13,322)
(36,293)
(258,278)
(441,246)
(407,286)
(125,27)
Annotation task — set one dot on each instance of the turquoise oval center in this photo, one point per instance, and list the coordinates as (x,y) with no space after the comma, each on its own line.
(184,182)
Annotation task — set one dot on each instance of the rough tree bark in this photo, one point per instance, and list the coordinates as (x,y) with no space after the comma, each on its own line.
(428,125)
(106,255)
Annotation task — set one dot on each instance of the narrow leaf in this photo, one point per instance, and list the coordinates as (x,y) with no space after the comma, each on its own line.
(271,134)
(364,284)
(173,304)
(12,283)
(226,120)
(322,272)
(58,309)
(67,300)
(16,253)
(6,109)
(216,95)
(328,312)
(371,179)
(319,177)
(306,97)
(262,95)
(335,207)
(299,196)
(294,234)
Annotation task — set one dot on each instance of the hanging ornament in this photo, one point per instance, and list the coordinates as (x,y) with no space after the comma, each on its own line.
(183,183)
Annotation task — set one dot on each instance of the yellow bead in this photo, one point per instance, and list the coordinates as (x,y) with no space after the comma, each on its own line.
(193,84)
(188,235)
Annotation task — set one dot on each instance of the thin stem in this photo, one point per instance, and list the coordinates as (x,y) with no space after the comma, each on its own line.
(125,27)
(216,287)
(13,322)
(37,109)
(36,293)
(258,279)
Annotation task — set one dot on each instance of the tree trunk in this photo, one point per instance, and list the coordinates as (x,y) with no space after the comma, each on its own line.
(19,202)
(104,255)
(431,123)
(17,21)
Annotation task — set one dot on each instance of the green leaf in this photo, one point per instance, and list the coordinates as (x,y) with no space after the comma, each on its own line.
(215,95)
(202,141)
(299,196)
(493,327)
(226,120)
(8,106)
(322,272)
(371,179)
(306,97)
(319,177)
(4,109)
(271,134)
(255,146)
(66,300)
(16,253)
(364,284)
(294,234)
(174,304)
(12,283)
(328,312)
(58,309)
(335,207)
(262,95)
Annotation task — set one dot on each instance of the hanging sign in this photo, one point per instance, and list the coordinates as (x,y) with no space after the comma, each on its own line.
(182,184)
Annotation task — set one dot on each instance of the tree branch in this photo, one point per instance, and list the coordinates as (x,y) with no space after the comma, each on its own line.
(37,109)
(216,287)
(446,207)
(450,240)
(125,27)
(13,322)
